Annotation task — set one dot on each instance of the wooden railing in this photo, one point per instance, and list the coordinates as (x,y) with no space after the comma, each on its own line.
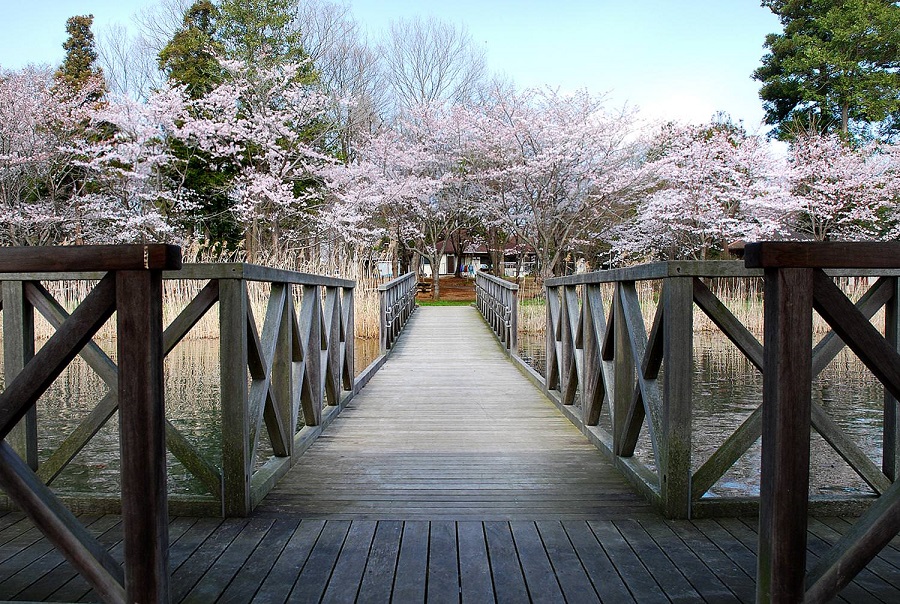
(795,285)
(637,377)
(497,300)
(131,286)
(398,301)
(288,378)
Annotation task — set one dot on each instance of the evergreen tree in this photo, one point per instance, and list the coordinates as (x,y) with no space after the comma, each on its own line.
(79,66)
(191,56)
(835,67)
(263,33)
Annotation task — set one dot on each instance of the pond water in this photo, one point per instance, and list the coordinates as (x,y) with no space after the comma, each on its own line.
(727,388)
(192,406)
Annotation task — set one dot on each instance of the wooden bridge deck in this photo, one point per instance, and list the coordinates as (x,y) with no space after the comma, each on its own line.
(449,429)
(463,484)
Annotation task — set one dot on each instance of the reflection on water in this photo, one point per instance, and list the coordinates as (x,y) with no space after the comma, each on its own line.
(193,407)
(727,388)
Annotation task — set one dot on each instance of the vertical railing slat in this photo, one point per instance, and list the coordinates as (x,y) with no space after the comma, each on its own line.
(142,442)
(787,393)
(678,340)
(234,396)
(18,348)
(891,435)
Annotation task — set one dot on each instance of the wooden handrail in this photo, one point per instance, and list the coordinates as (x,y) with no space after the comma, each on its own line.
(823,254)
(397,301)
(132,288)
(497,300)
(795,285)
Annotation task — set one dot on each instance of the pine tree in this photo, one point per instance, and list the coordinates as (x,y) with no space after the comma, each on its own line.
(79,66)
(191,56)
(835,67)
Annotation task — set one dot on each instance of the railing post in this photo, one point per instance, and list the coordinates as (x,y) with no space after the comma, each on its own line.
(781,565)
(384,325)
(623,372)
(513,321)
(142,428)
(678,337)
(282,365)
(347,308)
(236,462)
(18,348)
(891,438)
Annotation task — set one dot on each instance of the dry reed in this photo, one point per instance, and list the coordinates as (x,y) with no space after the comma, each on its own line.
(742,296)
(177,293)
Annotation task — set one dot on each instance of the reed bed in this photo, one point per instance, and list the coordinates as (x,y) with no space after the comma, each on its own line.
(742,296)
(177,293)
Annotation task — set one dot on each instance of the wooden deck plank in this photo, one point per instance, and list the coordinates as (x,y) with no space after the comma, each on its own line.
(412,563)
(714,555)
(202,558)
(443,566)
(701,578)
(378,579)
(351,565)
(283,574)
(638,579)
(574,582)
(215,580)
(313,578)
(540,578)
(251,575)
(506,572)
(474,566)
(603,575)
(181,548)
(657,562)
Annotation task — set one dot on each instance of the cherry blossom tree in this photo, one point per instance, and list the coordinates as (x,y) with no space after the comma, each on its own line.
(557,170)
(264,124)
(838,192)
(42,132)
(716,184)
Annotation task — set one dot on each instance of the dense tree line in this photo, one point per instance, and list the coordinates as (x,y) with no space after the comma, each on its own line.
(261,127)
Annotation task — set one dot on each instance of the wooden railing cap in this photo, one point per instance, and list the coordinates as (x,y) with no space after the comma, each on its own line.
(501,282)
(80,258)
(822,254)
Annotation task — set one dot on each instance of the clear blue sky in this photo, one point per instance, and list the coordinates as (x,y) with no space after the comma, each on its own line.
(683,59)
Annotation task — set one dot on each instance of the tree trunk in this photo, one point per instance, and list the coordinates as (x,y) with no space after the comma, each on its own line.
(845,119)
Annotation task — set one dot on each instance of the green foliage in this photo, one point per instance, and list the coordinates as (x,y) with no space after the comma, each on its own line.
(835,67)
(78,67)
(263,33)
(190,57)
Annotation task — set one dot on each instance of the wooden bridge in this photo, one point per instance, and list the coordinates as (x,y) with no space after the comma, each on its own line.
(444,472)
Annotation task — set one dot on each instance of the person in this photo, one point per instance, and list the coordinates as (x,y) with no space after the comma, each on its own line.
(472,270)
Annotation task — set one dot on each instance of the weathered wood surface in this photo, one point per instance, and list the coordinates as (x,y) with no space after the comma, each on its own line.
(645,559)
(449,429)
